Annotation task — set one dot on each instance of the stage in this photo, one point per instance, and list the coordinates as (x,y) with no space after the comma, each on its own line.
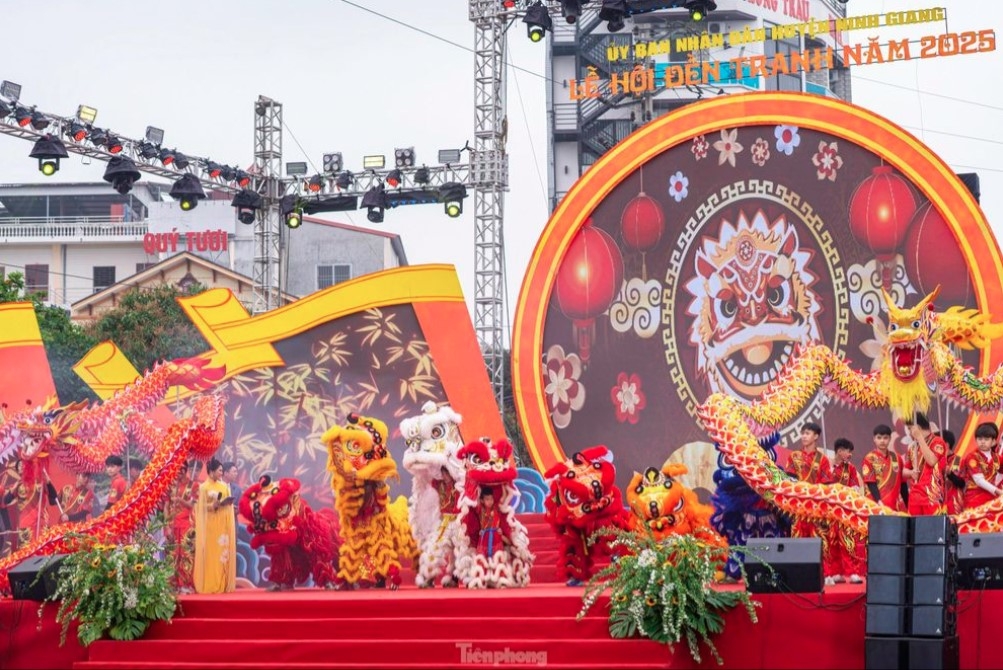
(415,628)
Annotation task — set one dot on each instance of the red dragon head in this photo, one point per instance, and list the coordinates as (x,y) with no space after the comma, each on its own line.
(583,487)
(488,463)
(272,508)
(40,428)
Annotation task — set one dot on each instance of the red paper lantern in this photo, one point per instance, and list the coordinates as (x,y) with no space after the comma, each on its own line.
(642,223)
(587,281)
(881,208)
(933,256)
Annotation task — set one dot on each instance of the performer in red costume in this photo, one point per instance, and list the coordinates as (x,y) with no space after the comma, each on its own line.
(981,466)
(927,495)
(77,501)
(180,513)
(883,471)
(811,465)
(847,558)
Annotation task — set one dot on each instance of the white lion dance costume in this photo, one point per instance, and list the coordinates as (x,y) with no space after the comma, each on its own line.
(437,477)
(492,546)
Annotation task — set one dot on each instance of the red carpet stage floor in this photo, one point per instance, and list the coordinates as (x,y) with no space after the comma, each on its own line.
(461,629)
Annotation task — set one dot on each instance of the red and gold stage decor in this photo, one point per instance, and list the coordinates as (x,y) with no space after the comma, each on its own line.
(786,217)
(376,537)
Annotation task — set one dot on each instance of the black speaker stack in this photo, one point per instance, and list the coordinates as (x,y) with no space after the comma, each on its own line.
(911,593)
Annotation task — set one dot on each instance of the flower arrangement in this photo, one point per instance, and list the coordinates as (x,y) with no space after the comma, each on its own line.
(662,589)
(115,589)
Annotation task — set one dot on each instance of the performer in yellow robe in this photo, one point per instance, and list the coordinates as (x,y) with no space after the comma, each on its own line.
(215,535)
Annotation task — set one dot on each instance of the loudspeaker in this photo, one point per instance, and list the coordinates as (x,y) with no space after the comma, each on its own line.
(980,561)
(25,583)
(932,590)
(934,559)
(938,529)
(887,590)
(796,565)
(890,620)
(892,653)
(887,559)
(888,530)
(932,621)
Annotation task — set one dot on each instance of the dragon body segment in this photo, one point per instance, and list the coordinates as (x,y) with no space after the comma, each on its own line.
(917,356)
(375,533)
(195,437)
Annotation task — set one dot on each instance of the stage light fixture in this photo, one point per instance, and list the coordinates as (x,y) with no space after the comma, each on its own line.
(121,173)
(10,90)
(22,115)
(297,169)
(537,21)
(242,179)
(404,158)
(187,191)
(332,162)
(571,10)
(180,160)
(291,211)
(48,150)
(394,179)
(315,184)
(699,9)
(614,12)
(154,135)
(294,219)
(375,202)
(114,144)
(77,131)
(449,156)
(227,173)
(452,195)
(344,180)
(166,156)
(87,114)
(421,176)
(374,162)
(39,121)
(5,110)
(248,203)
(213,169)
(98,137)
(148,151)
(508,4)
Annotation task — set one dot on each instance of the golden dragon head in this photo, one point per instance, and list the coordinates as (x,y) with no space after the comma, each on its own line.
(46,425)
(909,336)
(359,450)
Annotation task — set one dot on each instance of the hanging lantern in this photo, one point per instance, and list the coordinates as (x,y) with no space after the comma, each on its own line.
(587,281)
(933,257)
(881,209)
(642,223)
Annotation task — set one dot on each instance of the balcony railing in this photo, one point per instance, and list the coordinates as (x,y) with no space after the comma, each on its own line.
(27,229)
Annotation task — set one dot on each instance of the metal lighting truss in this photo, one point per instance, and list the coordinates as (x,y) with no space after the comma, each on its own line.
(364,180)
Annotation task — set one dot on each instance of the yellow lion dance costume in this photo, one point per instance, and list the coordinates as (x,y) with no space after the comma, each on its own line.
(662,506)
(375,534)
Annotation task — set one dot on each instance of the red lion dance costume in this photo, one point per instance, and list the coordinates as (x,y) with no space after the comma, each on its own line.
(583,499)
(299,541)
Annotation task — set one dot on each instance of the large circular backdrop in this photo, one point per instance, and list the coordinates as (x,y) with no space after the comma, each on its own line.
(699,252)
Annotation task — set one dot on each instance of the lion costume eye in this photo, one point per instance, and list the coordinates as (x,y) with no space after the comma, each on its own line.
(438,432)
(353,447)
(916,323)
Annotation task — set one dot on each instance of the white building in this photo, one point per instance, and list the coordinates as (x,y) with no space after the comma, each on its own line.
(582,130)
(74,240)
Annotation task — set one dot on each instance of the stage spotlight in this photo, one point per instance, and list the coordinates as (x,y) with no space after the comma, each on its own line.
(332,162)
(114,144)
(699,9)
(39,121)
(291,211)
(571,10)
(148,151)
(77,131)
(395,178)
(297,169)
(242,179)
(166,156)
(5,110)
(294,219)
(87,114)
(614,12)
(10,90)
(404,158)
(154,135)
(375,201)
(508,4)
(344,180)
(315,184)
(48,150)
(98,137)
(121,173)
(180,160)
(227,173)
(421,176)
(187,191)
(214,170)
(537,22)
(374,162)
(247,203)
(452,194)
(22,115)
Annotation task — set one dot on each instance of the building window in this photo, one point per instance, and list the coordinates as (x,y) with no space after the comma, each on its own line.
(329,275)
(104,276)
(36,278)
(143,266)
(782,82)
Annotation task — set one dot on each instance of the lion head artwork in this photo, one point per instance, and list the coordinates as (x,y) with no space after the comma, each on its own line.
(664,507)
(752,304)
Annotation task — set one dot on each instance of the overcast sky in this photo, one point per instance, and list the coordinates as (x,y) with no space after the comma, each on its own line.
(357,83)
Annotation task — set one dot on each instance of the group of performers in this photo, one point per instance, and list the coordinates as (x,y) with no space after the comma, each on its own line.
(930,478)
